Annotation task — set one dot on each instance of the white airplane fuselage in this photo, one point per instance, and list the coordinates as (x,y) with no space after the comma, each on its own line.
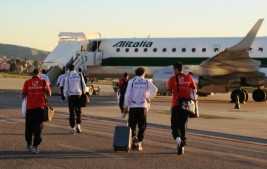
(124,55)
(219,65)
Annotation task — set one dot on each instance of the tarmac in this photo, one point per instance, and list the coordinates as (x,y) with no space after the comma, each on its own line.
(223,137)
(217,114)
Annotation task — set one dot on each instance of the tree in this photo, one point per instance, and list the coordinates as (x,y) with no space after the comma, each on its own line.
(12,66)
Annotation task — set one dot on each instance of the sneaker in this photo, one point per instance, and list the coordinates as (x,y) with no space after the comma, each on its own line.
(79,130)
(134,142)
(29,147)
(34,150)
(73,130)
(180,147)
(180,150)
(139,146)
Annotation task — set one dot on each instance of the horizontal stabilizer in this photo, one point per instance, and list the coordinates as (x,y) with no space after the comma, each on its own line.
(246,42)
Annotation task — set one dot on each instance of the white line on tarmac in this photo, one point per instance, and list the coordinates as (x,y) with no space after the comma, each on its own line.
(196,134)
(231,147)
(81,149)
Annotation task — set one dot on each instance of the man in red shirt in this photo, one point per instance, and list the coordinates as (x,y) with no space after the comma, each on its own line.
(184,83)
(35,90)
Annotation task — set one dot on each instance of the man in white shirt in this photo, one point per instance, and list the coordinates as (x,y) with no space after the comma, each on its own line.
(60,83)
(138,94)
(72,90)
(44,76)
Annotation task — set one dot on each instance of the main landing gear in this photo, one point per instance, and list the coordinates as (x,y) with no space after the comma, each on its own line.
(258,95)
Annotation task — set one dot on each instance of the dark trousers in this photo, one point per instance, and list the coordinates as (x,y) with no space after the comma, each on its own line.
(74,109)
(121,102)
(137,116)
(34,126)
(62,93)
(179,120)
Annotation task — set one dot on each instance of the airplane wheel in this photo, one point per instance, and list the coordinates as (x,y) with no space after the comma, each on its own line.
(240,93)
(246,94)
(265,93)
(91,90)
(259,95)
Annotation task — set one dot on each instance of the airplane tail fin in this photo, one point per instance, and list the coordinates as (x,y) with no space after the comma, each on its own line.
(246,42)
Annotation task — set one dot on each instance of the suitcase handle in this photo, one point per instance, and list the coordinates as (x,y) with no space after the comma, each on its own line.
(121,124)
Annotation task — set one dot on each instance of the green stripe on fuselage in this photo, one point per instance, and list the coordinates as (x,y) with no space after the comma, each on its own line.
(156,61)
(263,61)
(149,61)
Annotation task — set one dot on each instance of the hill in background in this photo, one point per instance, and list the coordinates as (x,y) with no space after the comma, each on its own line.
(14,51)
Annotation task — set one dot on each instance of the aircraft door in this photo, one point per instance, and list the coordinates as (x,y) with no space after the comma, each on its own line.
(98,58)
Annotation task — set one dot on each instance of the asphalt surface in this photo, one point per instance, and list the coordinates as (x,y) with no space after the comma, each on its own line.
(223,137)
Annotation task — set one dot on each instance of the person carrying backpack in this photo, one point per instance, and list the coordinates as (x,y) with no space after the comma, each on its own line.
(122,90)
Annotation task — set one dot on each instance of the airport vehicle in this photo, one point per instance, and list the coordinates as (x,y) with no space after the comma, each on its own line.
(218,65)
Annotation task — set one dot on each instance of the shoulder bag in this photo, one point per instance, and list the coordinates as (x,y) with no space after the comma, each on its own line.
(84,99)
(189,105)
(48,110)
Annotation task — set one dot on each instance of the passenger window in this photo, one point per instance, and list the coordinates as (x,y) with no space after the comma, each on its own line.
(216,49)
(136,49)
(260,49)
(193,49)
(118,50)
(204,49)
(173,49)
(183,49)
(164,50)
(155,50)
(127,50)
(145,49)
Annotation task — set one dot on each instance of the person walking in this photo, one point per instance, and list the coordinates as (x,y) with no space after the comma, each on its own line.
(72,90)
(60,83)
(35,89)
(137,101)
(179,86)
(44,76)
(122,89)
(82,74)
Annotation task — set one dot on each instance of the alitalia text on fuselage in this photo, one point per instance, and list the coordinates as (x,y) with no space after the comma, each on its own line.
(133,44)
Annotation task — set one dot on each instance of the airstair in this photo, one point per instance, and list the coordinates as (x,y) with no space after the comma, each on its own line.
(71,49)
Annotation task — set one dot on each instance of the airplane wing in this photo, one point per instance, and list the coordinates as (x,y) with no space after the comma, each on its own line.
(233,59)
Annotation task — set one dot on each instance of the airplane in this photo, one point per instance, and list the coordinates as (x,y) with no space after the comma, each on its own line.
(218,65)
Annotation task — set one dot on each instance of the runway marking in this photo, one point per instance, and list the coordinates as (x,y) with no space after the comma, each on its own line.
(200,135)
(81,149)
(231,147)
(115,121)
(194,134)
(45,154)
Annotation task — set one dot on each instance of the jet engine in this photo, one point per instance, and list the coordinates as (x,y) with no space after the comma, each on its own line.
(162,75)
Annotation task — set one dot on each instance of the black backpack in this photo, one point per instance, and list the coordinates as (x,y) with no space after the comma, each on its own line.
(123,87)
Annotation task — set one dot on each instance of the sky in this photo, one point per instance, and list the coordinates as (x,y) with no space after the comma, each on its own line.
(36,23)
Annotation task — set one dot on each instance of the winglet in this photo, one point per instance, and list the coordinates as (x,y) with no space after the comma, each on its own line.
(246,42)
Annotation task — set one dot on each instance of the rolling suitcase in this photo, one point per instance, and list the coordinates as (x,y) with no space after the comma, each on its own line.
(122,138)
